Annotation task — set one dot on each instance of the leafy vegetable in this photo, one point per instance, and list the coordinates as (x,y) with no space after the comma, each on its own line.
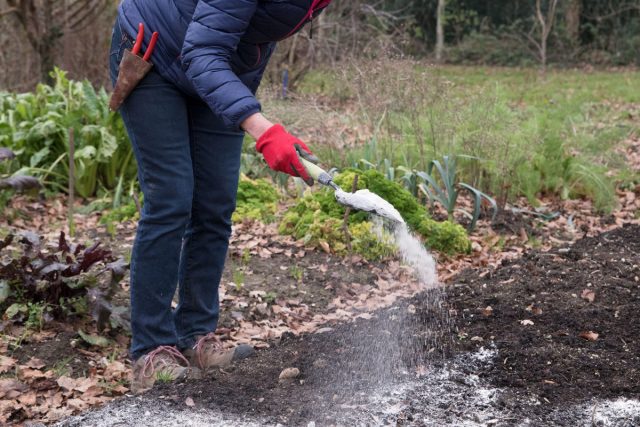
(56,275)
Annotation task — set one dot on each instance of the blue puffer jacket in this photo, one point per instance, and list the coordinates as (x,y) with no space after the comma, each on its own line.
(217,49)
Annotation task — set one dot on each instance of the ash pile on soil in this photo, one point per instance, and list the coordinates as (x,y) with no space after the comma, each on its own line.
(495,370)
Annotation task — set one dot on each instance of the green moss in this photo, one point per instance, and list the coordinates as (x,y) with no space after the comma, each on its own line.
(366,242)
(123,213)
(257,199)
(446,236)
(318,217)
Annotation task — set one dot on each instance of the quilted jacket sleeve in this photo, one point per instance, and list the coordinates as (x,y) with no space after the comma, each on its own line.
(212,36)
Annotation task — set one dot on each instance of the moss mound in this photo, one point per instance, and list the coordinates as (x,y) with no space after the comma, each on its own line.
(257,200)
(317,218)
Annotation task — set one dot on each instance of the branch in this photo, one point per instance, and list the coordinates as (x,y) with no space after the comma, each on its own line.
(613,14)
(8,11)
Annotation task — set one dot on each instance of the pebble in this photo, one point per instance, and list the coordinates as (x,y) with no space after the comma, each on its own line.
(289,373)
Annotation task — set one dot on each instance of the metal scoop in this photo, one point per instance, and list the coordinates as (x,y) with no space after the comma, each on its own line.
(362,200)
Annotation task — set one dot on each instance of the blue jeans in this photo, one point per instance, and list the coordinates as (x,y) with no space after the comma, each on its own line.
(188,167)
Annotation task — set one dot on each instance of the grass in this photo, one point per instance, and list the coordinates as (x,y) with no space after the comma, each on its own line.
(521,133)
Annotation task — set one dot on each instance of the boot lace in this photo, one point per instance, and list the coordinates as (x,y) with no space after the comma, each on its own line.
(210,339)
(149,367)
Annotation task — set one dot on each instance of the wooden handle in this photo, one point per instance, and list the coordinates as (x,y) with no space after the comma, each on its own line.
(313,170)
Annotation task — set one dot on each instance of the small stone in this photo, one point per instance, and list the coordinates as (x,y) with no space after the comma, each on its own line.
(289,374)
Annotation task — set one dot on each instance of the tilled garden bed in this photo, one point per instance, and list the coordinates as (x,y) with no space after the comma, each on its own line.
(547,339)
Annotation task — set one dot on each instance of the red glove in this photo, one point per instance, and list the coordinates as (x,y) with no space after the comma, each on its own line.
(281,150)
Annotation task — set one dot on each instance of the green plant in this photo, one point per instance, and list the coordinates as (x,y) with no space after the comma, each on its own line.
(237,275)
(246,256)
(42,282)
(125,212)
(37,314)
(296,273)
(445,189)
(522,126)
(61,367)
(39,127)
(164,376)
(270,297)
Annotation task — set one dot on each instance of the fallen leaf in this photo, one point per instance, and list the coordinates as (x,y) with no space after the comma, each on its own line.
(589,335)
(115,370)
(189,402)
(325,246)
(32,374)
(77,404)
(6,364)
(28,399)
(96,340)
(588,294)
(66,383)
(11,387)
(35,363)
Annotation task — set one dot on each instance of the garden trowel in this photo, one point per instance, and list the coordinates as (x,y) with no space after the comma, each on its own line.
(362,200)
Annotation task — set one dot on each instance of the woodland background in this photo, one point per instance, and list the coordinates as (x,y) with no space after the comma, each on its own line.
(37,35)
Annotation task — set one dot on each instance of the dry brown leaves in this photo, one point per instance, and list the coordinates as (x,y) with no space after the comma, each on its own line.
(588,295)
(35,393)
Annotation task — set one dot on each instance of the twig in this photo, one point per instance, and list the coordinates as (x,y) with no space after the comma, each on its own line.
(345,219)
(8,11)
(136,200)
(72,174)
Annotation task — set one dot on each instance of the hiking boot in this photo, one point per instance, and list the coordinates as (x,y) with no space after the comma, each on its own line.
(209,353)
(164,364)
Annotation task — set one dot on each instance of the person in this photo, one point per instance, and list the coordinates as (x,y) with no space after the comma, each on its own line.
(186,120)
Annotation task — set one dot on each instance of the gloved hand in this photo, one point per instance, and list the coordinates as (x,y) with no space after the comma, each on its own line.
(281,150)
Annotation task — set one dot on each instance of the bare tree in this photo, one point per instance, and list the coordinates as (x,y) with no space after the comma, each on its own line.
(440,17)
(545,23)
(44,22)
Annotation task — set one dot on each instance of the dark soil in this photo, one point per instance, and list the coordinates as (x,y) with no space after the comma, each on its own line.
(314,280)
(546,360)
(548,357)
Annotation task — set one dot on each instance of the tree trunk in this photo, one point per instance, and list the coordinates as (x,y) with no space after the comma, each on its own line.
(572,20)
(46,43)
(440,29)
(546,25)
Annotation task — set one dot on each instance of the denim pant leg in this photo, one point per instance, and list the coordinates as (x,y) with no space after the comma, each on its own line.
(215,155)
(157,121)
